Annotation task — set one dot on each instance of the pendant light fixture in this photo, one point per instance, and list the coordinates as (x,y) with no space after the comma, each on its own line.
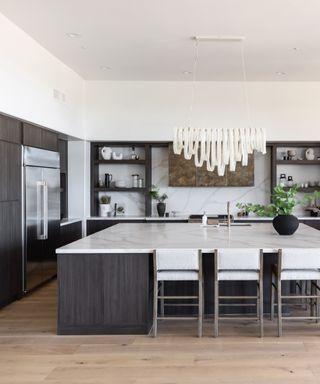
(218,147)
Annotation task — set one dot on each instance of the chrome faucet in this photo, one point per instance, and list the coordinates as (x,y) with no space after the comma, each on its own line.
(229,216)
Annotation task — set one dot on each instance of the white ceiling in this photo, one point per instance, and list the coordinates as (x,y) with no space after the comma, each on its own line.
(150,39)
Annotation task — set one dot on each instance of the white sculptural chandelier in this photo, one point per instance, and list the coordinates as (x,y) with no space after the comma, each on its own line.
(218,147)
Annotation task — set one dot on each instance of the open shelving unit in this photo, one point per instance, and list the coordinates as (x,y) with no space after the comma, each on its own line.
(299,168)
(97,163)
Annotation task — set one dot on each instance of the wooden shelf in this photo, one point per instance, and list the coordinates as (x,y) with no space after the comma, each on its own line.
(102,189)
(129,161)
(298,162)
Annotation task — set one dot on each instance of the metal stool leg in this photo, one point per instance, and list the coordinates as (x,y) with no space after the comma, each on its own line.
(216,309)
(272,296)
(155,307)
(279,307)
(200,308)
(162,300)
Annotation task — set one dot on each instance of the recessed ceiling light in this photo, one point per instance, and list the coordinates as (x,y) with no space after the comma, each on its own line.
(73,35)
(280,73)
(105,68)
(186,72)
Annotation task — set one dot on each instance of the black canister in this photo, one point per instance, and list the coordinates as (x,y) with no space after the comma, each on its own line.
(107,180)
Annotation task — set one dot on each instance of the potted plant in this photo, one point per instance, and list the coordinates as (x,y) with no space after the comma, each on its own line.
(105,206)
(160,198)
(282,204)
(313,204)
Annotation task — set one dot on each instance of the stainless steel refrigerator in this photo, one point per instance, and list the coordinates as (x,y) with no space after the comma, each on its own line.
(41,211)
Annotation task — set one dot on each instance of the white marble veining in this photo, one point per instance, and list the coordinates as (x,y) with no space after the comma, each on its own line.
(145,237)
(186,200)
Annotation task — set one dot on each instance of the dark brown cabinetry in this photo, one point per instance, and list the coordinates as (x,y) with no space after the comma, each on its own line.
(10,211)
(34,136)
(70,232)
(63,150)
(10,130)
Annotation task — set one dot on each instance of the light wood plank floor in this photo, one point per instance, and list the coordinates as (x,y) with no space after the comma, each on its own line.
(30,352)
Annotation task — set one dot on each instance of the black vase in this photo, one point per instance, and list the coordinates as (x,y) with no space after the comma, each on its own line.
(161,208)
(285,225)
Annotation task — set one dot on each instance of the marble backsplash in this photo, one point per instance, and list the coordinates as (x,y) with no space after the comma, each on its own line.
(188,200)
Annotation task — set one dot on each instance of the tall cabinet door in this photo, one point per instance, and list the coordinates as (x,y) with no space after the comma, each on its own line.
(35,226)
(51,178)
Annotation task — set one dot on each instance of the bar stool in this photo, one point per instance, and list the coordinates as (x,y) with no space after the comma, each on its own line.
(238,265)
(177,265)
(296,264)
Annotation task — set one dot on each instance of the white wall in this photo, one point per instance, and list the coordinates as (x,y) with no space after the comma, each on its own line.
(150,110)
(28,76)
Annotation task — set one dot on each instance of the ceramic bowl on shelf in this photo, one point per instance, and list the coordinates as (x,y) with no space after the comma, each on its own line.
(120,184)
(117,156)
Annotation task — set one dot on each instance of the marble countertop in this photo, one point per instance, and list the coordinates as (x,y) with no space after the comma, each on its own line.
(69,221)
(145,237)
(147,218)
(258,218)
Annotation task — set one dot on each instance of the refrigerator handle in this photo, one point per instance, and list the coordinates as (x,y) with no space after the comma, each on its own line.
(42,210)
(45,210)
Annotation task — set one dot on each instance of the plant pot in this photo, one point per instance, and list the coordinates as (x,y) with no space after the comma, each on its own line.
(285,225)
(161,208)
(105,210)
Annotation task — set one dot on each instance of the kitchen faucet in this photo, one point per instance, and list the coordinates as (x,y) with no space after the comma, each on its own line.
(229,216)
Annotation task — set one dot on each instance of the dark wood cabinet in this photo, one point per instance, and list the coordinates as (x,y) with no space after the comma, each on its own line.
(34,136)
(70,232)
(10,171)
(10,129)
(10,252)
(96,225)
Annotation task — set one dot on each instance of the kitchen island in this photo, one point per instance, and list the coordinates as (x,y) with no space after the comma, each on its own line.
(105,280)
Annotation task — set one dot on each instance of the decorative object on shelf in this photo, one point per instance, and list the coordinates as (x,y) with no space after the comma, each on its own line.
(120,184)
(106,153)
(283,179)
(107,180)
(290,182)
(292,154)
(134,156)
(117,156)
(135,178)
(120,210)
(155,195)
(140,182)
(281,208)
(101,183)
(105,206)
(310,154)
(219,147)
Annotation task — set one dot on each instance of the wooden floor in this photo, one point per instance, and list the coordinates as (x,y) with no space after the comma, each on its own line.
(30,351)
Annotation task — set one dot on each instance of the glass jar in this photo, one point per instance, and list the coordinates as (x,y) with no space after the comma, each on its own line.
(283,179)
(140,182)
(135,178)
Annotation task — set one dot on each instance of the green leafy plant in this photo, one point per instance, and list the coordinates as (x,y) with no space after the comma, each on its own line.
(155,194)
(105,199)
(283,202)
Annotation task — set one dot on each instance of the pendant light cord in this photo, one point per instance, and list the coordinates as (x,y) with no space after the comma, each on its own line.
(245,84)
(194,74)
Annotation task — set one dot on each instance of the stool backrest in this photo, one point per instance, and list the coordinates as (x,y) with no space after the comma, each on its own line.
(177,259)
(238,259)
(300,258)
